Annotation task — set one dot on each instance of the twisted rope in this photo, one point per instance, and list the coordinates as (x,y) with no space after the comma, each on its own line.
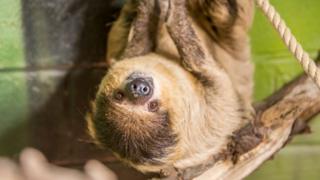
(291,42)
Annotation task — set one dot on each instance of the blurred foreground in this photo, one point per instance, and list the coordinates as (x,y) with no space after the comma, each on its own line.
(34,166)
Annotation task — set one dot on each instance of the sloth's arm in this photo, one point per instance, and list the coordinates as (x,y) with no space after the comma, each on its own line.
(227,21)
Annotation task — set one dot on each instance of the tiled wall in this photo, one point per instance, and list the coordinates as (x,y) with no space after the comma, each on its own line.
(49,52)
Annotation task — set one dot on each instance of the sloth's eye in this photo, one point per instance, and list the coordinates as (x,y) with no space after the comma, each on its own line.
(153,106)
(118,95)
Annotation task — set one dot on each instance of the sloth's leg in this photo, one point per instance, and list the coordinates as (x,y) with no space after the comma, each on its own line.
(227,21)
(192,54)
(144,29)
(119,32)
(133,34)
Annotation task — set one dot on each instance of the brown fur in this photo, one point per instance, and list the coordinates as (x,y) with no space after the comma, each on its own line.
(133,148)
(201,103)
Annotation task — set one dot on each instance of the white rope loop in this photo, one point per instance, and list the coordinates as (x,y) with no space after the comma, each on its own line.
(288,38)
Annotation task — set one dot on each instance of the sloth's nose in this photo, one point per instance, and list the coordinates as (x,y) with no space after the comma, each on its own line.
(139,90)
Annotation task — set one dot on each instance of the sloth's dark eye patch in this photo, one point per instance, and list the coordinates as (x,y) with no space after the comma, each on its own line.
(118,95)
(153,106)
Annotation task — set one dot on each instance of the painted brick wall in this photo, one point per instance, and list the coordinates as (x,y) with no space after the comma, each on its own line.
(49,70)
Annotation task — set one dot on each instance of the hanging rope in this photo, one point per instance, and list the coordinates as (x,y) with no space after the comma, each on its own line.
(294,46)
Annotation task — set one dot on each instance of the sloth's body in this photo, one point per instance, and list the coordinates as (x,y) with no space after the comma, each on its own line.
(181,115)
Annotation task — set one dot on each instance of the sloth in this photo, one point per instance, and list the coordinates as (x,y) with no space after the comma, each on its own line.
(179,82)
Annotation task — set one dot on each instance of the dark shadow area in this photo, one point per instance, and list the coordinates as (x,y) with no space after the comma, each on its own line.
(13,140)
(64,40)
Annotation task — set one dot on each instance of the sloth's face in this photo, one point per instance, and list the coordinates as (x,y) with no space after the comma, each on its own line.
(134,113)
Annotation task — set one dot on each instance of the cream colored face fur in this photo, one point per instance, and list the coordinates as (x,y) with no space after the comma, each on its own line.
(192,120)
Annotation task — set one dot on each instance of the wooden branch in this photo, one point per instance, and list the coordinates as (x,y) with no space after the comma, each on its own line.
(279,117)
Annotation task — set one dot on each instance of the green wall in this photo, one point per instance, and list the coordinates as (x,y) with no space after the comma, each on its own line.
(274,64)
(13,91)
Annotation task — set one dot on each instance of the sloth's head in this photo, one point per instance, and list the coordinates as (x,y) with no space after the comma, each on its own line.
(135,111)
